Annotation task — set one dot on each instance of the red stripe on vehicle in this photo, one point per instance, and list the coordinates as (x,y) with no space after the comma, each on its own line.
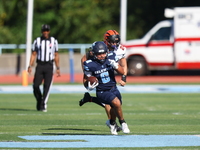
(187,39)
(161,64)
(188,65)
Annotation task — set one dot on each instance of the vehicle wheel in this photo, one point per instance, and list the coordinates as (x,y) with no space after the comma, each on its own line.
(137,66)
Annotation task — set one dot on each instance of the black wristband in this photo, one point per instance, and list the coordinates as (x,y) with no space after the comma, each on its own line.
(123,78)
(57,68)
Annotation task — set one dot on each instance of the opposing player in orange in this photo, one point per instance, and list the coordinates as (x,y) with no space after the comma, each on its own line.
(112,40)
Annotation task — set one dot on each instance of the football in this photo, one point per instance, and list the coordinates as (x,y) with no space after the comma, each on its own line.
(92,79)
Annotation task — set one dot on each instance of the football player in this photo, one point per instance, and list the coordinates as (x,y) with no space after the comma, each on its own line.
(102,66)
(112,40)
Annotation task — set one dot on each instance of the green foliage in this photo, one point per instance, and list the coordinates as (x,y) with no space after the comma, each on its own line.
(81,21)
(71,21)
(12,21)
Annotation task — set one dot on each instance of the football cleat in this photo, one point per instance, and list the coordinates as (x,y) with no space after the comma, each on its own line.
(108,124)
(113,129)
(125,128)
(85,99)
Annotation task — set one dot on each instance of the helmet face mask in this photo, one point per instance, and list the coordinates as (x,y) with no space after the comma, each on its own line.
(112,39)
(101,57)
(99,50)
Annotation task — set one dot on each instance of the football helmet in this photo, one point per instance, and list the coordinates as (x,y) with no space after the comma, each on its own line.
(112,39)
(98,48)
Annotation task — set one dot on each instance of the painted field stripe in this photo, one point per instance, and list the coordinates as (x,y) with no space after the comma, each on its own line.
(106,141)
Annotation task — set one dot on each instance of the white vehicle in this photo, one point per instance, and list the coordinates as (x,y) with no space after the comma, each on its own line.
(170,44)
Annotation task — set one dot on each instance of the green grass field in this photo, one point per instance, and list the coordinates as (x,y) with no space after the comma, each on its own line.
(146,114)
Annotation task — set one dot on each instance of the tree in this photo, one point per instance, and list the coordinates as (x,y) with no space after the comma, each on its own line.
(81,21)
(12,21)
(71,21)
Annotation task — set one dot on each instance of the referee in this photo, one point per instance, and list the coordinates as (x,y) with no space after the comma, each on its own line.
(45,49)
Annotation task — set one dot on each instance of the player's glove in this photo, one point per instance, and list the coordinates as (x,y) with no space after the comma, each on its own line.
(114,64)
(93,86)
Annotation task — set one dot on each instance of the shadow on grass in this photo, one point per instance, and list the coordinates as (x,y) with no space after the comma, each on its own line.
(70,129)
(71,134)
(16,109)
(74,129)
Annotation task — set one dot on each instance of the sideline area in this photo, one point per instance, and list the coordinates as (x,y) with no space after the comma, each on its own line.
(58,89)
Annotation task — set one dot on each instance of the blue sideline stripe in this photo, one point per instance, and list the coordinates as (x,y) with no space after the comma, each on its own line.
(57,89)
(106,141)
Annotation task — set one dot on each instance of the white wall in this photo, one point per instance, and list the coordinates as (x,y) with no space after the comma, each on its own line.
(8,63)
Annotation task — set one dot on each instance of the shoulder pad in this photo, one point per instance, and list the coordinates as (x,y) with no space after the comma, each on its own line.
(88,61)
(86,68)
(110,54)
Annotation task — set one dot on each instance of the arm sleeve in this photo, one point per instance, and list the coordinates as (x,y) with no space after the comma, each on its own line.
(87,70)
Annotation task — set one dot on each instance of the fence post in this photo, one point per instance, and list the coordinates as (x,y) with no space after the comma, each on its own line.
(71,64)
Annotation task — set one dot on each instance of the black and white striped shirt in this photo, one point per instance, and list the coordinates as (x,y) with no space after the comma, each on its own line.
(45,48)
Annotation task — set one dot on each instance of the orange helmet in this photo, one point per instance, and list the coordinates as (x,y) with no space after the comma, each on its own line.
(111,36)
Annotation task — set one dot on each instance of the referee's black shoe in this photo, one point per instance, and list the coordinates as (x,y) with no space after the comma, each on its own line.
(38,105)
(43,110)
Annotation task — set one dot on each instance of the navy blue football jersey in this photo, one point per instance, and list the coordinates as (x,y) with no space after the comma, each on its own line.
(102,71)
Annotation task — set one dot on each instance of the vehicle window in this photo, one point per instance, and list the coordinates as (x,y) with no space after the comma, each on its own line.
(162,34)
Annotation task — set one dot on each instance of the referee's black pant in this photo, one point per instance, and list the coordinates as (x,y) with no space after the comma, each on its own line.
(43,72)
